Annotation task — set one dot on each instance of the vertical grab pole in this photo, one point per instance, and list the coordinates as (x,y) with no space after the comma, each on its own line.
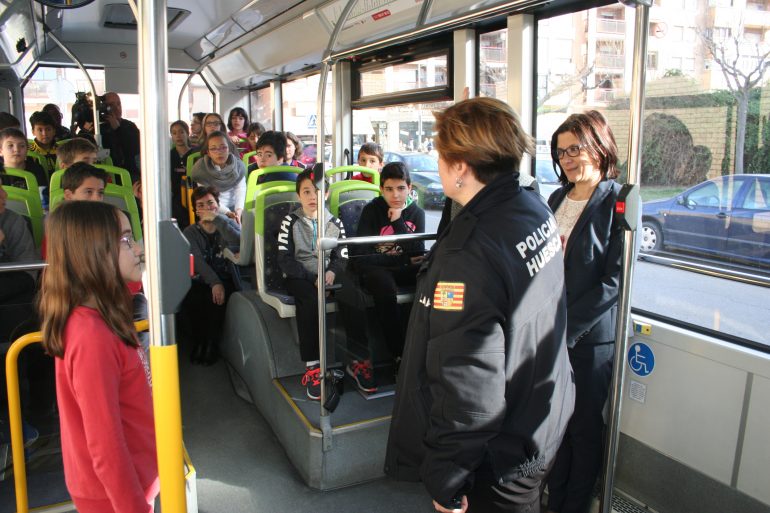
(629,254)
(327,64)
(153,58)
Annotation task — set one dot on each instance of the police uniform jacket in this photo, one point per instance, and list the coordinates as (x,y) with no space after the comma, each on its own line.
(592,266)
(485,375)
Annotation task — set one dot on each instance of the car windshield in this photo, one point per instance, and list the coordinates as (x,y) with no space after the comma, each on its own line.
(426,178)
(421,163)
(544,171)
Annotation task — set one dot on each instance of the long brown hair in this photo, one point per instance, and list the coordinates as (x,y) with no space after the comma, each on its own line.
(83,240)
(595,136)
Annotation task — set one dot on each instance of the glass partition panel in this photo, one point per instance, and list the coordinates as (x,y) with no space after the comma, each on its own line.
(300,115)
(408,76)
(493,64)
(704,153)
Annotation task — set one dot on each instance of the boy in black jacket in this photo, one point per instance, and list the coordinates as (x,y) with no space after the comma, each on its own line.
(384,267)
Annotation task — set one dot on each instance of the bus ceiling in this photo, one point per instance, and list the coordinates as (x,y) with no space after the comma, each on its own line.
(241,43)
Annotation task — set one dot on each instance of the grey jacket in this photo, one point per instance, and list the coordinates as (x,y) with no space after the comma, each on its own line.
(296,246)
(18,245)
(207,249)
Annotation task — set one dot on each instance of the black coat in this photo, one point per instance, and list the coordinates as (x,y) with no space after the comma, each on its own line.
(485,373)
(592,266)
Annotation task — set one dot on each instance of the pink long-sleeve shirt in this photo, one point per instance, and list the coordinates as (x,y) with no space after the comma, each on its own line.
(105,409)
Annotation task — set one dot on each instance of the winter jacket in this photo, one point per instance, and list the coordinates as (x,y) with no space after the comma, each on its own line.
(485,375)
(297,246)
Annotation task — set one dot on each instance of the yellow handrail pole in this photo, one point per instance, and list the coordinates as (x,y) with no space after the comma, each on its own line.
(14,415)
(168,427)
(14,412)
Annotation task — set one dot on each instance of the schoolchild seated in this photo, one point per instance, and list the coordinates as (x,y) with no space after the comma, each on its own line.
(253,133)
(44,130)
(13,150)
(220,167)
(216,277)
(369,155)
(271,151)
(383,268)
(77,149)
(81,182)
(298,262)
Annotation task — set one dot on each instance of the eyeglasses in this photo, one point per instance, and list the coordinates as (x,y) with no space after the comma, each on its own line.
(213,123)
(571,151)
(218,148)
(128,240)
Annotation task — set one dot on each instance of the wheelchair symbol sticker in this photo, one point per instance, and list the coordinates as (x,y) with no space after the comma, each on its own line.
(640,359)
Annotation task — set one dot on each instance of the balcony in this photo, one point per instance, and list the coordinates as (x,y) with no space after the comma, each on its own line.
(608,26)
(610,61)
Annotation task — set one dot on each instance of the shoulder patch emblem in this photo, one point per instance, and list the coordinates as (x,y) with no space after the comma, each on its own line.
(449,296)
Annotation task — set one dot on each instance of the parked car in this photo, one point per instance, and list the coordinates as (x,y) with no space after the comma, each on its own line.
(414,161)
(727,217)
(310,151)
(547,180)
(427,190)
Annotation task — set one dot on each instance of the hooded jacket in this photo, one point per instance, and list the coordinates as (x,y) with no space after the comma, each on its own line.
(485,375)
(297,256)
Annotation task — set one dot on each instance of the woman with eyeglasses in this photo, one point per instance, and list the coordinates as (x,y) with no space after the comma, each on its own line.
(220,167)
(103,383)
(216,277)
(585,155)
(212,122)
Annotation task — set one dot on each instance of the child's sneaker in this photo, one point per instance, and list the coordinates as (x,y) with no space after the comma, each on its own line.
(363,374)
(312,382)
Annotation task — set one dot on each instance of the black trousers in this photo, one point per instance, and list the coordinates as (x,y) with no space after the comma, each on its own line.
(306,303)
(203,319)
(382,283)
(579,459)
(519,496)
(17,293)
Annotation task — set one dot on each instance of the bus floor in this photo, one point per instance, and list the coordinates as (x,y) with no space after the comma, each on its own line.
(241,466)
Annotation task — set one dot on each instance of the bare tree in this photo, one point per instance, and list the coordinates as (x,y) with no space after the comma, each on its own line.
(743,64)
(567,83)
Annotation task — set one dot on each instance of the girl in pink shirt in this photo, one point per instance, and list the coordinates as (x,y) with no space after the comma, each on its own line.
(102,375)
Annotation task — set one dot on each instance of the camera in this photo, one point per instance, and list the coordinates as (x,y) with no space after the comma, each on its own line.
(83,109)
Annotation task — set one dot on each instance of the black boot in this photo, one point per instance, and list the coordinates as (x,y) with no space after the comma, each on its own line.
(198,351)
(211,352)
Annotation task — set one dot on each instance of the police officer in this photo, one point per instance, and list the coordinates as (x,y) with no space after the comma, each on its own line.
(485,387)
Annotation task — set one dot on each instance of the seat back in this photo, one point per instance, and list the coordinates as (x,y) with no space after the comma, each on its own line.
(118,175)
(347,198)
(271,206)
(192,158)
(345,171)
(247,156)
(261,179)
(24,199)
(122,196)
(44,162)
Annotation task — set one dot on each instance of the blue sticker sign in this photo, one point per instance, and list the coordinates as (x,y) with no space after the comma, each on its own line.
(641,360)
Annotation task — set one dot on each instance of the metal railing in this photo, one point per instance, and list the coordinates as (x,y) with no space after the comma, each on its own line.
(14,413)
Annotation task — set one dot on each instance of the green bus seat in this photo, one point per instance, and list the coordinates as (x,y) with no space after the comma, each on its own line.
(118,175)
(192,158)
(25,201)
